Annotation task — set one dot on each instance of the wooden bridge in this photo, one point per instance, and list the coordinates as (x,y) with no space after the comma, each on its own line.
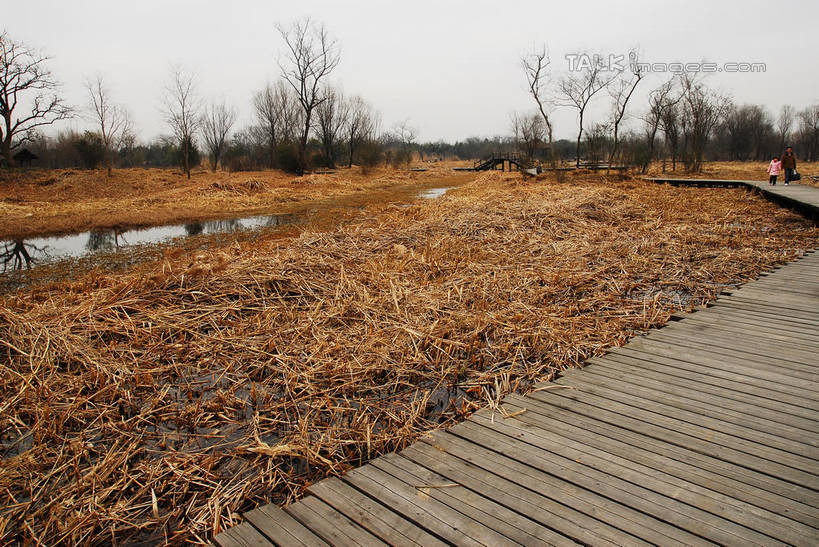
(493,162)
(703,432)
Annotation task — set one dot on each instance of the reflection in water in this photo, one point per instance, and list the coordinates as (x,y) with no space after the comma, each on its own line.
(18,254)
(103,240)
(194,228)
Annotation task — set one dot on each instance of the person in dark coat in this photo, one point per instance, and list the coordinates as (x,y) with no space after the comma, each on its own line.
(788,164)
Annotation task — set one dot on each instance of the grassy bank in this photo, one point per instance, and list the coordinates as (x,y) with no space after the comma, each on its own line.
(159,404)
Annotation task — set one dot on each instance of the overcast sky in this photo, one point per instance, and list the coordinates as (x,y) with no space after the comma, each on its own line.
(449,67)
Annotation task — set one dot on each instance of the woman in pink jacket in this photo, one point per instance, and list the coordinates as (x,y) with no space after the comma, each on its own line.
(774,169)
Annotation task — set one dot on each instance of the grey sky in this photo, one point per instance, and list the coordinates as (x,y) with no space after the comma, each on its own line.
(450,67)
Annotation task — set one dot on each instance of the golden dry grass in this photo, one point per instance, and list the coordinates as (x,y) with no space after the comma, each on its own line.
(36,202)
(160,406)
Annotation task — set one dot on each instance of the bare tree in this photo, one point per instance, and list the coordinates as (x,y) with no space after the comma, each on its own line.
(536,68)
(621,93)
(311,56)
(530,133)
(809,130)
(277,111)
(362,125)
(703,109)
(578,88)
(216,125)
(784,124)
(659,101)
(25,82)
(405,134)
(332,117)
(112,119)
(672,128)
(182,107)
(597,140)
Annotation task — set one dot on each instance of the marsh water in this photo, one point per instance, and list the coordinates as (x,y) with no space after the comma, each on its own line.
(27,253)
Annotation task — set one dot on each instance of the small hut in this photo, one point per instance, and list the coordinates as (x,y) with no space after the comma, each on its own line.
(25,157)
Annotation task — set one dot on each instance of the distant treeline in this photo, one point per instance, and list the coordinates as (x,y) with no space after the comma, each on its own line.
(747,132)
(302,121)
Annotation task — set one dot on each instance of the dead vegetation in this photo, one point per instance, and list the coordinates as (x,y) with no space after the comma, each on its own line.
(158,407)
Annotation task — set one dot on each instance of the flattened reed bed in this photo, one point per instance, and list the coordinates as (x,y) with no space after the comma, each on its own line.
(158,407)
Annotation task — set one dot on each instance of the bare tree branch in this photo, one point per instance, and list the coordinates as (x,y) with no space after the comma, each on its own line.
(112,119)
(621,94)
(310,57)
(181,107)
(578,89)
(536,68)
(216,125)
(24,77)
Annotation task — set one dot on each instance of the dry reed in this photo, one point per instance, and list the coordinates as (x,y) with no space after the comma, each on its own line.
(158,407)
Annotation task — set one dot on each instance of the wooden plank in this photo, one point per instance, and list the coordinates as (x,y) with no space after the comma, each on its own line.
(712,381)
(789,463)
(769,411)
(429,514)
(796,302)
(766,316)
(518,529)
(759,336)
(371,515)
(521,459)
(601,423)
(702,499)
(757,339)
(330,525)
(280,527)
(535,533)
(786,360)
(702,358)
(765,431)
(555,512)
(762,316)
(741,303)
(459,517)
(791,286)
(694,412)
(719,371)
(718,317)
(536,423)
(241,535)
(547,500)
(706,441)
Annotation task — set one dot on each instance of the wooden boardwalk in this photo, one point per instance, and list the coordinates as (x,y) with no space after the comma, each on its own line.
(705,431)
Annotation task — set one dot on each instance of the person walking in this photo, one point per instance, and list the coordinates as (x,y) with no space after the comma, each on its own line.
(789,165)
(774,169)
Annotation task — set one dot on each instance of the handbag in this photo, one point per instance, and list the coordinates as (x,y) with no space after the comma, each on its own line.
(796,175)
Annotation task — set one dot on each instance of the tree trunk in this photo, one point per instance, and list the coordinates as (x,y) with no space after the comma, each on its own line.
(613,150)
(186,160)
(302,167)
(273,144)
(7,152)
(577,148)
